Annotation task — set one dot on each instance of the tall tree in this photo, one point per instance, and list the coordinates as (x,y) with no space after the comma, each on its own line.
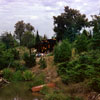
(81,43)
(19,30)
(8,40)
(69,23)
(37,39)
(96,32)
(28,40)
(29,27)
(45,37)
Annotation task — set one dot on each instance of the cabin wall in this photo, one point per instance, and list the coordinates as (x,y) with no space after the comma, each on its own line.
(46,46)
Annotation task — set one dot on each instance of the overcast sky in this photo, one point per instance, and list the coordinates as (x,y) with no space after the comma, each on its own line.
(40,12)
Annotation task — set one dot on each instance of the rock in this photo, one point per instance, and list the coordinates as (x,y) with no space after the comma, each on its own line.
(38,88)
(92,96)
(1,80)
(98,97)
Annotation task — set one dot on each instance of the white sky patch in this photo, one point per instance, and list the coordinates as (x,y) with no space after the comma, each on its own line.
(78,0)
(48,8)
(34,17)
(40,12)
(61,4)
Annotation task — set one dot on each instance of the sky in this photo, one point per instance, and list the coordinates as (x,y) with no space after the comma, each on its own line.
(40,12)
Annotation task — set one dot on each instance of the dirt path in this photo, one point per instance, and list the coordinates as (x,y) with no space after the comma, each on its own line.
(50,72)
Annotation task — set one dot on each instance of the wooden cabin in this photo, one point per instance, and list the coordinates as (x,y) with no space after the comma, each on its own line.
(46,46)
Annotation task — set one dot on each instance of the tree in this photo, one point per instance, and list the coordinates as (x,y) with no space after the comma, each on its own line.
(6,56)
(29,27)
(8,40)
(69,23)
(96,32)
(62,52)
(28,40)
(81,44)
(19,30)
(45,37)
(37,39)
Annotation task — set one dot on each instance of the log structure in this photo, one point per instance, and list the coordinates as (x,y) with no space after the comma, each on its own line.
(46,46)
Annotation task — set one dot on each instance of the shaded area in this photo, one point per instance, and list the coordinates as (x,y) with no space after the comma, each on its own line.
(18,91)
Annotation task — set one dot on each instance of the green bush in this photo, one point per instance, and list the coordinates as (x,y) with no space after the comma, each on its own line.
(38,80)
(28,75)
(90,72)
(30,60)
(6,59)
(21,68)
(81,44)
(42,63)
(74,98)
(74,72)
(50,54)
(94,84)
(15,53)
(55,96)
(82,67)
(78,98)
(18,66)
(7,74)
(62,68)
(85,59)
(44,90)
(17,76)
(62,52)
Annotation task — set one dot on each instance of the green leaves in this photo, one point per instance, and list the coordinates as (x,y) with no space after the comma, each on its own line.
(62,52)
(81,43)
(42,63)
(69,23)
(30,60)
(28,75)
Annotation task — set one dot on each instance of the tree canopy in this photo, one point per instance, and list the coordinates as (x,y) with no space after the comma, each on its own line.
(69,23)
(96,31)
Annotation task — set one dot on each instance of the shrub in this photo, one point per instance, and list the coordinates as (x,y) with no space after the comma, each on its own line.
(38,80)
(62,52)
(78,98)
(17,76)
(50,54)
(18,66)
(85,59)
(81,44)
(74,74)
(94,84)
(62,68)
(55,96)
(90,72)
(69,98)
(7,74)
(30,60)
(42,63)
(6,59)
(74,98)
(15,53)
(21,68)
(28,75)
(44,90)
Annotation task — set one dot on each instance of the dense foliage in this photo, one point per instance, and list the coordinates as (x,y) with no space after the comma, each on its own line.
(69,23)
(30,60)
(42,63)
(62,52)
